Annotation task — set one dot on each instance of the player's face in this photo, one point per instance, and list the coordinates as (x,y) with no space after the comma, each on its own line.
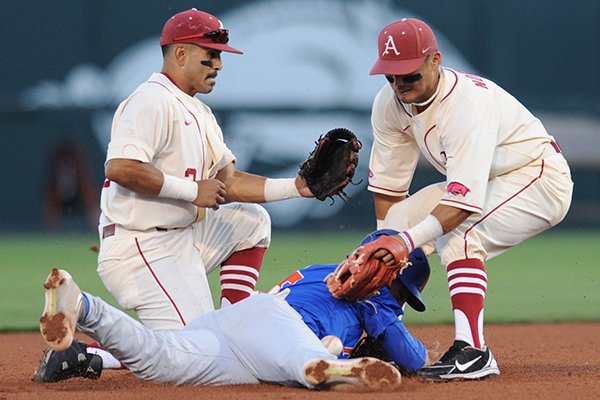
(201,68)
(420,85)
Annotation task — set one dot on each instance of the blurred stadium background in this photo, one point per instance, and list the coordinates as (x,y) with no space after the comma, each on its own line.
(68,64)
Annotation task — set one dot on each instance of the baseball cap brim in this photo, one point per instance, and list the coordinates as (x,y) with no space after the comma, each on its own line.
(415,301)
(218,46)
(397,67)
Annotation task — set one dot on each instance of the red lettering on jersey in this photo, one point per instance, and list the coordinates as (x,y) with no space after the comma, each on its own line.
(292,279)
(477,81)
(457,188)
(191,172)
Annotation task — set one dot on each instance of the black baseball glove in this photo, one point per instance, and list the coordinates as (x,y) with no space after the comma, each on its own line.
(332,164)
(370,347)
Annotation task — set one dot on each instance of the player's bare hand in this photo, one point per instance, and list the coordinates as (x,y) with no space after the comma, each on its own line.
(303,187)
(211,193)
(386,256)
(433,353)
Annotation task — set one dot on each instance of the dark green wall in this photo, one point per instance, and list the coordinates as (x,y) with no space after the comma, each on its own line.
(545,52)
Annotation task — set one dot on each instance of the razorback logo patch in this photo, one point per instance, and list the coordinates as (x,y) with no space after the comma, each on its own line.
(457,188)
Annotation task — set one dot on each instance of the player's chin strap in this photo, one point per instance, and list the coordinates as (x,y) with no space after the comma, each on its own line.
(426,102)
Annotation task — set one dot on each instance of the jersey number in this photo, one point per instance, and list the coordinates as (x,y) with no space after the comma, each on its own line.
(292,279)
(191,172)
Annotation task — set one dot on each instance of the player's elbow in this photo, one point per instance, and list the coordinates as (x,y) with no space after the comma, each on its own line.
(120,170)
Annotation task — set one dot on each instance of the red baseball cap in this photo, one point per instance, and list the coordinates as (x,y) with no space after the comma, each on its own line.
(403,47)
(197,27)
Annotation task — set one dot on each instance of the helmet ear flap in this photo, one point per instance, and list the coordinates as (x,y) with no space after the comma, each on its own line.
(408,285)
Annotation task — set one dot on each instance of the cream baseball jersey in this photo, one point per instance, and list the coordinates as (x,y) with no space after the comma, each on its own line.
(472,132)
(176,133)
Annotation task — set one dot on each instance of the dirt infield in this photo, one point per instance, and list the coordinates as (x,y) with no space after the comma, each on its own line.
(536,362)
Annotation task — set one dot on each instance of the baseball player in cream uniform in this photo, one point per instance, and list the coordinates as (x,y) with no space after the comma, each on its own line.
(164,224)
(506,179)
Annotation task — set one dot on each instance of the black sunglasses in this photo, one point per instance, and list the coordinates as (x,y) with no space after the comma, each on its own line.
(218,36)
(405,78)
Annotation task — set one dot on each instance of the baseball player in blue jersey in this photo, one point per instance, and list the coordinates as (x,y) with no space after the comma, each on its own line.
(378,316)
(232,346)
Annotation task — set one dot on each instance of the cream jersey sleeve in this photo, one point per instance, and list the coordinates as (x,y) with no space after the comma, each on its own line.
(138,133)
(467,132)
(394,153)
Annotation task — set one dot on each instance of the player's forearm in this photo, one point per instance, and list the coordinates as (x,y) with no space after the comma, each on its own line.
(450,217)
(406,350)
(139,177)
(442,220)
(244,187)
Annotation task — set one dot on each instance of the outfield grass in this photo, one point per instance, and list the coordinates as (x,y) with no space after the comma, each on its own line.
(554,277)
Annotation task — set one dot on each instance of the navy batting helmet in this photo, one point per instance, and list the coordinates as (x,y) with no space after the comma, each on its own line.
(412,279)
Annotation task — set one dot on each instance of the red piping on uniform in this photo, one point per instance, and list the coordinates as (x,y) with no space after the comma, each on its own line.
(500,205)
(461,203)
(106,183)
(453,86)
(171,79)
(402,105)
(427,147)
(389,190)
(137,243)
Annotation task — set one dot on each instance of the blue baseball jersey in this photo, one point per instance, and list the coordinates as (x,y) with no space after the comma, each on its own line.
(378,316)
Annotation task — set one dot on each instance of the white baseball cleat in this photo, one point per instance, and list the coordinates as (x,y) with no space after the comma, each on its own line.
(360,373)
(59,319)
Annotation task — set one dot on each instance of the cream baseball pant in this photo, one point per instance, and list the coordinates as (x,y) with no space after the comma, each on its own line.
(518,206)
(259,339)
(162,275)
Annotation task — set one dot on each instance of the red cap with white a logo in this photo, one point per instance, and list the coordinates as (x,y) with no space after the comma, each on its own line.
(403,47)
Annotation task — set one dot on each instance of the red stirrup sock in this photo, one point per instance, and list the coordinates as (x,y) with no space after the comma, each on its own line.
(239,274)
(467,282)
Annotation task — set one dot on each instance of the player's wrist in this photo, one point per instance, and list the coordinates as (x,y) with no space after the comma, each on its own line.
(424,232)
(178,188)
(280,189)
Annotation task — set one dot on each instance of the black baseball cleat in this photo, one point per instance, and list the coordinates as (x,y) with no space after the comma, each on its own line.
(462,361)
(70,363)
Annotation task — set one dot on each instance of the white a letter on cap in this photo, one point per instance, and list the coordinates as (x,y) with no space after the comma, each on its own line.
(390,45)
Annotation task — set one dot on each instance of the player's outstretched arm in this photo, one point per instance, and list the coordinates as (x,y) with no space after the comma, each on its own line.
(404,349)
(249,188)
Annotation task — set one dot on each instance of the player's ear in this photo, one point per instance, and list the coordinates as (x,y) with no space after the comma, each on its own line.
(436,61)
(181,53)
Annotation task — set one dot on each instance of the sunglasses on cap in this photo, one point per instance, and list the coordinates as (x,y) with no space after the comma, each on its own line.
(405,78)
(218,36)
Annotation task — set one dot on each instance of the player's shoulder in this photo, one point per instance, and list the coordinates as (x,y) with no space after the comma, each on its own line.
(466,84)
(152,91)
(384,97)
(387,111)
